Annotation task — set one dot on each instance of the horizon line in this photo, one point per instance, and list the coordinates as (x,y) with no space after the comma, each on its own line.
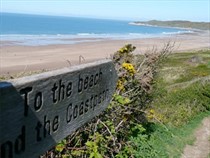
(102,18)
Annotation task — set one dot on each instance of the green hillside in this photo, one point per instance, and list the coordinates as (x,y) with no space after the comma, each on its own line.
(178,23)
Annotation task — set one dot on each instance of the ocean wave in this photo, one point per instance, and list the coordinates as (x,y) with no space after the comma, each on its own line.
(85,34)
(178,32)
(45,39)
(72,36)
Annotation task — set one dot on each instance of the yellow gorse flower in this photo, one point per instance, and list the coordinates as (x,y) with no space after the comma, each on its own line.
(123,50)
(151,114)
(129,67)
(120,85)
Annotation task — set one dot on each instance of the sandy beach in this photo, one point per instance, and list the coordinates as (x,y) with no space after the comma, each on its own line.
(18,58)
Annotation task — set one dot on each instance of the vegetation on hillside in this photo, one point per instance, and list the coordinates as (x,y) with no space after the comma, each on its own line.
(108,135)
(159,100)
(178,23)
(181,99)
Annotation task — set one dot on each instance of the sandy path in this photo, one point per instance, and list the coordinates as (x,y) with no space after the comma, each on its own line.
(201,147)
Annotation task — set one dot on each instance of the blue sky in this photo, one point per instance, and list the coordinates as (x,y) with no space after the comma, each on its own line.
(193,10)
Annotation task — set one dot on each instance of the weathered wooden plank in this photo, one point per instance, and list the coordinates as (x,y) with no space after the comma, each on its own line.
(38,111)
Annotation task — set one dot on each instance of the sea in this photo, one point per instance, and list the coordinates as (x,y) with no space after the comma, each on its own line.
(35,30)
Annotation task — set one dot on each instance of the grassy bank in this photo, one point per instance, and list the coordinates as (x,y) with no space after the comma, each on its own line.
(163,141)
(182,87)
(181,99)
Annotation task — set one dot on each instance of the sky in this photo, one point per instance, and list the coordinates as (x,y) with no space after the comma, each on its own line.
(135,10)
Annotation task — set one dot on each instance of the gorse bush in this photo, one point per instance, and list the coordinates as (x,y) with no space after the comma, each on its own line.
(146,115)
(109,134)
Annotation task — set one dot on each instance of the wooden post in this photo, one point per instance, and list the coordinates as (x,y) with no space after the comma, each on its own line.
(38,111)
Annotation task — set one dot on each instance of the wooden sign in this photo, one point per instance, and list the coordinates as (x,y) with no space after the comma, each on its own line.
(36,112)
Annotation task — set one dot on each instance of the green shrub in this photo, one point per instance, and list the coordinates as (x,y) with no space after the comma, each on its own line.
(144,119)
(109,134)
